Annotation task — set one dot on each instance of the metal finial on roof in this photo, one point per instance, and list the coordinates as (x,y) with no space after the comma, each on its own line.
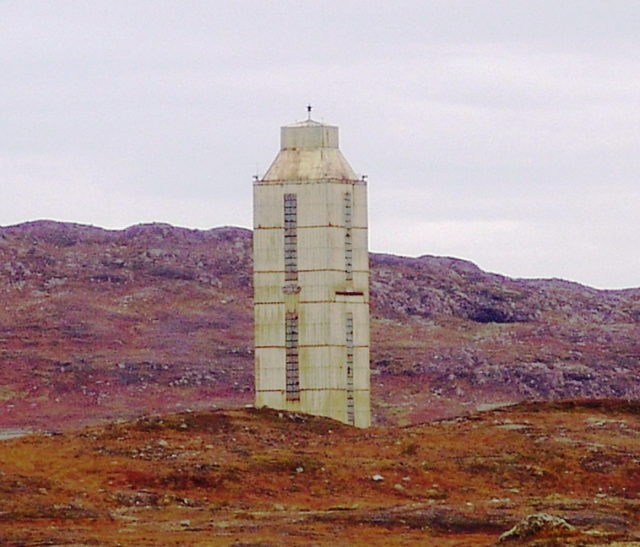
(309,107)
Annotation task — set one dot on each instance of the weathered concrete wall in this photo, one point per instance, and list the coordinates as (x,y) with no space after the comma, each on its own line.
(331,279)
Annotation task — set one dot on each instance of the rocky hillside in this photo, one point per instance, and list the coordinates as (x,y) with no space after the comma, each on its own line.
(97,324)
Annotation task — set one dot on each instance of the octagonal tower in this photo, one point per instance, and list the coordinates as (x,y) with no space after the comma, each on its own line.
(311,279)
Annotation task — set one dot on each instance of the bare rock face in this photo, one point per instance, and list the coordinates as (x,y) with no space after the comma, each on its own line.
(536,526)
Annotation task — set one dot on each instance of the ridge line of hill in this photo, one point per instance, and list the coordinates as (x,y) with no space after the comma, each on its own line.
(460,263)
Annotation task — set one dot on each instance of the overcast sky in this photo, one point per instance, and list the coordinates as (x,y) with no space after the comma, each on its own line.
(503,132)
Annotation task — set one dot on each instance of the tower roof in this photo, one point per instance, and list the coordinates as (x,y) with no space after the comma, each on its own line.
(306,123)
(309,151)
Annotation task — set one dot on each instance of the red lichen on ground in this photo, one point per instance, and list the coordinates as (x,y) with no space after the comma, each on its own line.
(262,477)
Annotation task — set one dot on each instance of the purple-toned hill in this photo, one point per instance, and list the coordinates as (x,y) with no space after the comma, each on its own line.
(98,324)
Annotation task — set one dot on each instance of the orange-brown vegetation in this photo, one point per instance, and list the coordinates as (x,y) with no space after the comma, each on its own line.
(262,477)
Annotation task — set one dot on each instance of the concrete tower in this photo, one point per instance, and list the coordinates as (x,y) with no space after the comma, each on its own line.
(311,279)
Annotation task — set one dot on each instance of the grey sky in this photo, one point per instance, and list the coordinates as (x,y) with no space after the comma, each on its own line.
(504,132)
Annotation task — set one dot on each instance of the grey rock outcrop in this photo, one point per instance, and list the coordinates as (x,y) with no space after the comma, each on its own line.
(536,525)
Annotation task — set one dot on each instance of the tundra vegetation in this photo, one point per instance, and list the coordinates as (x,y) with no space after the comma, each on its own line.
(130,352)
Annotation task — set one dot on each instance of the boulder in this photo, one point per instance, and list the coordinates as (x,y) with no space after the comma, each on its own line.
(535,526)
